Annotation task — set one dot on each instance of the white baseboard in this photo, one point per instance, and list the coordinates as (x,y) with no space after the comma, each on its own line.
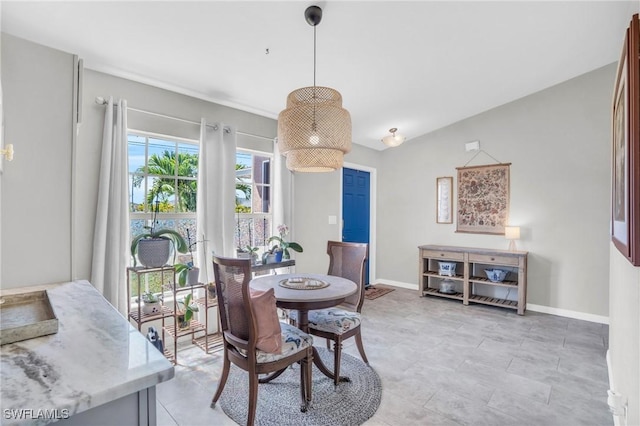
(567,313)
(397,284)
(530,306)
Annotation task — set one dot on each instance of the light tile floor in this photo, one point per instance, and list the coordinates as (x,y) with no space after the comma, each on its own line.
(442,363)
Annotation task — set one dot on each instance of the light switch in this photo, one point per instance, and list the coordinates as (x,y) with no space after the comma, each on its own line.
(333,219)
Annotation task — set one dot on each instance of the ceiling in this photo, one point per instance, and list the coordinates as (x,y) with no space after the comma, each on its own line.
(417,65)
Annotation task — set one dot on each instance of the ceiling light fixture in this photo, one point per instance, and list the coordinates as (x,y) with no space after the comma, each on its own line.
(314,131)
(393,140)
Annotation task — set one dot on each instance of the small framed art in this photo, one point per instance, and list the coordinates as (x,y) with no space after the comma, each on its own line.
(444,200)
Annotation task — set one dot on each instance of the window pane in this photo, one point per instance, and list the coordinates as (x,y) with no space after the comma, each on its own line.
(136,193)
(161,191)
(187,195)
(188,224)
(136,153)
(188,155)
(137,227)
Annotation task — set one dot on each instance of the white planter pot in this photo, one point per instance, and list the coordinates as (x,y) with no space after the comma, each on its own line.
(154,252)
(151,307)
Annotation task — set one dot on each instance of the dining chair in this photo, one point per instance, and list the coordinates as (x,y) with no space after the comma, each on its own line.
(339,323)
(253,337)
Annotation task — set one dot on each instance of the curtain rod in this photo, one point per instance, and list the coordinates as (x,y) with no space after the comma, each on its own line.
(102,101)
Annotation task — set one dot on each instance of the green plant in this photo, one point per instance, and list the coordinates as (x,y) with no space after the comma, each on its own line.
(174,237)
(182,269)
(149,297)
(283,230)
(187,308)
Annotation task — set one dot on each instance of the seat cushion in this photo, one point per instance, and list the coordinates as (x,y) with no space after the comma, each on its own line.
(293,340)
(263,306)
(332,320)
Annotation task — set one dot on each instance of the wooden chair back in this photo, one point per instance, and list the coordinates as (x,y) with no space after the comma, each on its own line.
(237,324)
(347,260)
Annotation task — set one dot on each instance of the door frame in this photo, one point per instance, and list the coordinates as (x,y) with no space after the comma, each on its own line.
(373,184)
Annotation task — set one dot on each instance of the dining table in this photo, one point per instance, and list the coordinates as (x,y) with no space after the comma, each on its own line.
(303,293)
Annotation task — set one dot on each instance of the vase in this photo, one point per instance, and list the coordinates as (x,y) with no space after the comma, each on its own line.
(192,276)
(154,252)
(279,256)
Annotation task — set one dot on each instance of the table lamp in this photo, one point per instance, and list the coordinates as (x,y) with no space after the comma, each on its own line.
(512,233)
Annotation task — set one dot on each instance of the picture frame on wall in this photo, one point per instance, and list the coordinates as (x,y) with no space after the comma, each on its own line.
(444,199)
(625,184)
(483,199)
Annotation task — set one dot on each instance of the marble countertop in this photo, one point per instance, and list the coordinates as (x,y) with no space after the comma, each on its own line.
(95,357)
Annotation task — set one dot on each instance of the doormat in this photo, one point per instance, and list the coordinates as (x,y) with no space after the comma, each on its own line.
(373,292)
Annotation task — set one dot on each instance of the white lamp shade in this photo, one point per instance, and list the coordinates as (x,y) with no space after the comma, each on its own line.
(512,232)
(393,140)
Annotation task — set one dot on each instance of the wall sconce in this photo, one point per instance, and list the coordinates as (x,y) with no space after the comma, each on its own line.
(512,233)
(7,152)
(393,140)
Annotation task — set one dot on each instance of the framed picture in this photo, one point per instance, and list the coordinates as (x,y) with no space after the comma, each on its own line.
(483,198)
(625,185)
(444,200)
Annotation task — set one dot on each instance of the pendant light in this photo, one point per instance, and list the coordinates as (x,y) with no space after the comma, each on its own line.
(314,131)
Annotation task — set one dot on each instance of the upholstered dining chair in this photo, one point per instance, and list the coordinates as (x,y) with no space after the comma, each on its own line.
(339,323)
(254,338)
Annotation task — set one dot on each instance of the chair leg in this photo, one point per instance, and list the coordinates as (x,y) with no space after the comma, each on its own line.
(226,364)
(337,353)
(309,373)
(304,383)
(361,347)
(253,399)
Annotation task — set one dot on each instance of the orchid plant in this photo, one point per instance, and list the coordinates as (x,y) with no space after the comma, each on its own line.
(283,231)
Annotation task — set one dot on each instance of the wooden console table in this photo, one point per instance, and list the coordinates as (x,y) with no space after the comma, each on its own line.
(470,281)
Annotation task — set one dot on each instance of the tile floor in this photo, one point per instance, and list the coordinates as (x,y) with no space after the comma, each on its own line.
(442,363)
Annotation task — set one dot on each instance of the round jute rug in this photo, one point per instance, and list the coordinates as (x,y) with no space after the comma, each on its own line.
(350,403)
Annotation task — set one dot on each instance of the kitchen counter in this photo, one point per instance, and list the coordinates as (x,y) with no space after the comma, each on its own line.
(97,369)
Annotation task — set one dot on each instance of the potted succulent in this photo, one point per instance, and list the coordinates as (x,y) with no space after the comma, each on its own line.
(283,245)
(151,303)
(153,247)
(184,312)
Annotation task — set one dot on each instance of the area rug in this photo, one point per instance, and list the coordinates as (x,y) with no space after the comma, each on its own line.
(350,403)
(373,292)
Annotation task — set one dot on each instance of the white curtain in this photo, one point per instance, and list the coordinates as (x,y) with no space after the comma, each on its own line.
(216,195)
(111,233)
(278,190)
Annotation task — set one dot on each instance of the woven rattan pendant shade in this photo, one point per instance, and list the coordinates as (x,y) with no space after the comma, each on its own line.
(314,131)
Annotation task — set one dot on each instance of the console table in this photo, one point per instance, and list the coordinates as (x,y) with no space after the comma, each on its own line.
(469,280)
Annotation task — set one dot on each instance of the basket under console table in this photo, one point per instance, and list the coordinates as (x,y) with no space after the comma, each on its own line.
(469,282)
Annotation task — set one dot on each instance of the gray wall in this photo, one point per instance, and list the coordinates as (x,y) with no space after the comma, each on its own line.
(37,85)
(558,143)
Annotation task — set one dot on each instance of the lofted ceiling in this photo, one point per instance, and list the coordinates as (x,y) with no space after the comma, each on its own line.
(415,65)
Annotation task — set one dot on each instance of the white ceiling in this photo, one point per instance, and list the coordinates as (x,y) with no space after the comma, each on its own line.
(417,65)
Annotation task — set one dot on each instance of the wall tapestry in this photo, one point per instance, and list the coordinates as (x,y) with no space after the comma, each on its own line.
(483,198)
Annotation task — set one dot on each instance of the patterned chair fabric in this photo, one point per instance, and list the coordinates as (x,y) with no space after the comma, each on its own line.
(332,320)
(293,340)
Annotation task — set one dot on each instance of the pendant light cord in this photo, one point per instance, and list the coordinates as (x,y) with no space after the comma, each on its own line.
(314,56)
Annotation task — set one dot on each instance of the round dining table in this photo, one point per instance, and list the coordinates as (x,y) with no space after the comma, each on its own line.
(322,291)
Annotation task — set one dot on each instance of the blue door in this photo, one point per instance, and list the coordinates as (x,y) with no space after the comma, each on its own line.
(356,209)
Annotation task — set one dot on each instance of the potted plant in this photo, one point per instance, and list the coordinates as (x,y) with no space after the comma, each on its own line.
(184,312)
(283,230)
(151,303)
(273,255)
(248,253)
(153,248)
(211,289)
(187,273)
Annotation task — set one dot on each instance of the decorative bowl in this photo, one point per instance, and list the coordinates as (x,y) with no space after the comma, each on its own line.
(447,268)
(496,275)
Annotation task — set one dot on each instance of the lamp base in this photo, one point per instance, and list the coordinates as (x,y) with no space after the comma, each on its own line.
(512,245)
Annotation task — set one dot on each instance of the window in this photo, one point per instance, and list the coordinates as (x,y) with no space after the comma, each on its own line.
(253,200)
(163,174)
